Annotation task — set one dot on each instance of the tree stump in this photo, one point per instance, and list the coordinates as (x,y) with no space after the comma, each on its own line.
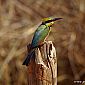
(43,69)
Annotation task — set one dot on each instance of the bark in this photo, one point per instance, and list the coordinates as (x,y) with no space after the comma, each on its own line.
(43,69)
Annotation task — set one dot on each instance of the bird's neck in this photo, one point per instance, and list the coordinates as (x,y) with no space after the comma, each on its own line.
(47,24)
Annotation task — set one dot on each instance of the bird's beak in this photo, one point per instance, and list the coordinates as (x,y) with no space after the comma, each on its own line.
(56,19)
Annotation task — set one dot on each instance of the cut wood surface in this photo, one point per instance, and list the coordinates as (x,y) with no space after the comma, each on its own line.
(43,69)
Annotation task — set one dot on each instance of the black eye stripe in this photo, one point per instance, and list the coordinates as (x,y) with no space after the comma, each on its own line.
(47,22)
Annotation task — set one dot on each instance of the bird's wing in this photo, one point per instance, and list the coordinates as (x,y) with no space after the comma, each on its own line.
(39,35)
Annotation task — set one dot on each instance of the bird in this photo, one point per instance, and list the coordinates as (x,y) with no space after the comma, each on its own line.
(40,36)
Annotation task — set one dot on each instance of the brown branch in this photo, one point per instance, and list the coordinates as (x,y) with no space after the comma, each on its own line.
(42,71)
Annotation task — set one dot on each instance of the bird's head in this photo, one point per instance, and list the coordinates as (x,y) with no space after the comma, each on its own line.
(49,21)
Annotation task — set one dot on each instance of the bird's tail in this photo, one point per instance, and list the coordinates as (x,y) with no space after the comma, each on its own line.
(29,57)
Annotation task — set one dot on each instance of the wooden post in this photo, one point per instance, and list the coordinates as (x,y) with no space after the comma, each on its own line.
(43,69)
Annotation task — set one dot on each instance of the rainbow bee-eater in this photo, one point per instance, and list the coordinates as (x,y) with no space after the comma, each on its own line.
(39,37)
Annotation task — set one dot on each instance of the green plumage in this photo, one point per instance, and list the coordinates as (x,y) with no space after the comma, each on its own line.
(40,35)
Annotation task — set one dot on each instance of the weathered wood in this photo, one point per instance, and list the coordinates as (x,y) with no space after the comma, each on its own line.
(43,69)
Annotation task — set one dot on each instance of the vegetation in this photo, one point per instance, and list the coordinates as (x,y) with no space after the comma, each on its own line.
(18,21)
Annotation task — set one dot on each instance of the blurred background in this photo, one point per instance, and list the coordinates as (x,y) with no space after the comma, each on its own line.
(18,21)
